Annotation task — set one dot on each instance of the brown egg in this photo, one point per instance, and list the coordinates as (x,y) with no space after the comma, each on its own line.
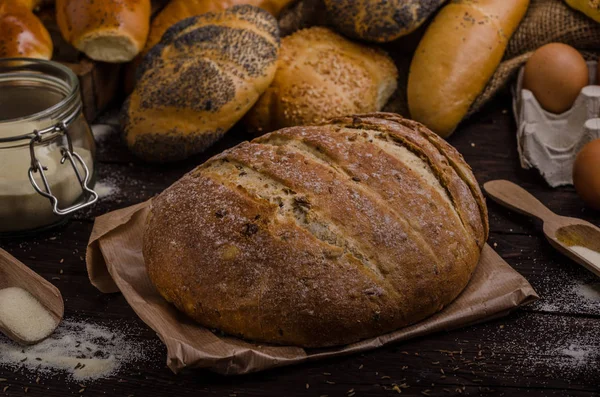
(586,174)
(555,74)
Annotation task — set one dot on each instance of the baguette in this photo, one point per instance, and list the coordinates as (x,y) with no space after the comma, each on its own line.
(591,8)
(319,236)
(457,56)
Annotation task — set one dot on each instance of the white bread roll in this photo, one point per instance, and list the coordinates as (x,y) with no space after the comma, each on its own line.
(107,30)
(457,56)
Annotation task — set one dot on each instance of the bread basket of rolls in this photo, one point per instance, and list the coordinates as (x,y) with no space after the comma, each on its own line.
(330,227)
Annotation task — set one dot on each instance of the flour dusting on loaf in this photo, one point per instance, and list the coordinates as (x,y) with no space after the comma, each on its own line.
(319,236)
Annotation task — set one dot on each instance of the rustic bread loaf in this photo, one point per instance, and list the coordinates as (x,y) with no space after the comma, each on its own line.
(458,54)
(319,236)
(321,75)
(379,20)
(22,34)
(107,30)
(203,76)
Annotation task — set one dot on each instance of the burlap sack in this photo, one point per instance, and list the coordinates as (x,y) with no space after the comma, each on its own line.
(546,21)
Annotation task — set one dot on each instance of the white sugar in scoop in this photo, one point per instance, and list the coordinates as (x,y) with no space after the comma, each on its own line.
(30,307)
(24,316)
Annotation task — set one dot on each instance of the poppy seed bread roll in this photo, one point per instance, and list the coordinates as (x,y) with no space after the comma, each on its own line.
(319,236)
(203,76)
(321,75)
(379,20)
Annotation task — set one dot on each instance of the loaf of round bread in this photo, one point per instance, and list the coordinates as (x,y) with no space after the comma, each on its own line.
(203,76)
(321,75)
(319,236)
(379,20)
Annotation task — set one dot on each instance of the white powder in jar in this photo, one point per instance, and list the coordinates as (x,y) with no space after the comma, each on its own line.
(21,207)
(24,315)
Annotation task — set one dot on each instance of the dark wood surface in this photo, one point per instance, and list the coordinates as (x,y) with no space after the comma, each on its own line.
(530,352)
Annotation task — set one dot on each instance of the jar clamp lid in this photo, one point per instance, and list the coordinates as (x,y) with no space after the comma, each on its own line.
(70,107)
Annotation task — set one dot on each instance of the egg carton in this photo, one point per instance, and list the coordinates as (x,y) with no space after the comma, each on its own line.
(550,142)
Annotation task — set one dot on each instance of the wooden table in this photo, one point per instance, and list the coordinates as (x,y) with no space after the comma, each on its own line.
(551,348)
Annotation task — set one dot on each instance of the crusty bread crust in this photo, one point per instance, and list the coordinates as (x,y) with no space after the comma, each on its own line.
(320,75)
(22,34)
(319,236)
(85,23)
(379,20)
(203,76)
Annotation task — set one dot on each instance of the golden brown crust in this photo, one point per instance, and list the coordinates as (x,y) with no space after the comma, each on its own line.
(178,10)
(204,75)
(22,34)
(107,30)
(456,57)
(319,236)
(379,20)
(321,75)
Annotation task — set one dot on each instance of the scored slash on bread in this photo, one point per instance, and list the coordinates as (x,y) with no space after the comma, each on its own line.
(319,235)
(203,76)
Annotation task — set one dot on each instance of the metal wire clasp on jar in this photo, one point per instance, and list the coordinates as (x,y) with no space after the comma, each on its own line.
(47,150)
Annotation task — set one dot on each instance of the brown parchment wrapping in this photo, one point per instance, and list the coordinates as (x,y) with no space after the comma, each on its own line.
(115,263)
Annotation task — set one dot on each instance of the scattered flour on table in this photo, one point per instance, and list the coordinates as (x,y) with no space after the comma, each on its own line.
(544,345)
(82,350)
(588,292)
(23,315)
(102,131)
(105,189)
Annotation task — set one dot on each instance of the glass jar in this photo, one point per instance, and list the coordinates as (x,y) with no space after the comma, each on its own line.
(47,150)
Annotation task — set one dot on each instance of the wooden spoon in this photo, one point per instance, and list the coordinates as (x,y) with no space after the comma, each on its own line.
(562,232)
(15,274)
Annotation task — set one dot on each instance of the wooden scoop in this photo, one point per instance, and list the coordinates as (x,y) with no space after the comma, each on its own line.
(15,274)
(562,232)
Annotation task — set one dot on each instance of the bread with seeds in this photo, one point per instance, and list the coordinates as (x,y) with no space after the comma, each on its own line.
(321,75)
(379,20)
(203,76)
(319,236)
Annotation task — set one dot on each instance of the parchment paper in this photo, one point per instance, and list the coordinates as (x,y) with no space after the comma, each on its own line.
(115,263)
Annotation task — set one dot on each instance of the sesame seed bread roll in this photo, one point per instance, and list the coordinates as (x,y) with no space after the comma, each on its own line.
(379,20)
(322,75)
(203,76)
(320,235)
